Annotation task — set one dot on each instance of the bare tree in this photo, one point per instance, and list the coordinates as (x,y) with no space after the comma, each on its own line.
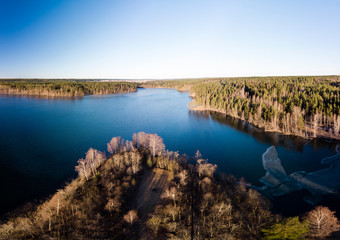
(82,168)
(139,139)
(156,144)
(295,116)
(115,145)
(94,158)
(183,176)
(135,162)
(89,165)
(170,193)
(154,223)
(113,204)
(336,120)
(131,217)
(172,211)
(322,222)
(118,163)
(204,168)
(198,154)
(129,146)
(221,209)
(150,141)
(316,119)
(171,154)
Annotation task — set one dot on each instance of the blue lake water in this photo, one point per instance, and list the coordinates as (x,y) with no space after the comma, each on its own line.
(42,139)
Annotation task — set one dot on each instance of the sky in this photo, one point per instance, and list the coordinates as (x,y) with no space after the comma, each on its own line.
(168,39)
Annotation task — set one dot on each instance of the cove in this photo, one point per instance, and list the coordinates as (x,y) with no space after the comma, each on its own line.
(42,139)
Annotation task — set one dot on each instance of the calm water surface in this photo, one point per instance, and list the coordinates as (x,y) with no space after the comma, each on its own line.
(42,139)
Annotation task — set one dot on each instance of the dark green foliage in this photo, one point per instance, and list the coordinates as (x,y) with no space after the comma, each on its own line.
(290,228)
(305,106)
(67,88)
(179,84)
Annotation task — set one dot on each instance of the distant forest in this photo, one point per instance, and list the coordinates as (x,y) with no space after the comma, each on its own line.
(143,191)
(303,106)
(306,106)
(64,88)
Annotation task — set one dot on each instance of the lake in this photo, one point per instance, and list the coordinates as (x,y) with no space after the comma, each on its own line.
(42,139)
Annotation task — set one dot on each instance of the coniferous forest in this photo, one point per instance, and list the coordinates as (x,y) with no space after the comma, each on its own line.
(64,88)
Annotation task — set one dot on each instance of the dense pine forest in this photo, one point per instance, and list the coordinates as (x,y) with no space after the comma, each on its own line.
(143,191)
(64,88)
(303,106)
(179,84)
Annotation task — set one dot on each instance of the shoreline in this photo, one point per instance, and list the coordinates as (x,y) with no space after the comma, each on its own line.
(200,108)
(52,95)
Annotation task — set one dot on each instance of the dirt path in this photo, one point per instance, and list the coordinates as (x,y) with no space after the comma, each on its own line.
(148,194)
(146,197)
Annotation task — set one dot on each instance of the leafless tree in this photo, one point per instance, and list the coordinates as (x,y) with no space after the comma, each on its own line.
(183,176)
(135,162)
(150,141)
(131,217)
(198,154)
(172,211)
(94,158)
(322,222)
(171,155)
(139,139)
(156,144)
(115,145)
(113,204)
(170,193)
(154,223)
(82,168)
(316,119)
(204,168)
(221,209)
(88,166)
(336,120)
(129,146)
(118,163)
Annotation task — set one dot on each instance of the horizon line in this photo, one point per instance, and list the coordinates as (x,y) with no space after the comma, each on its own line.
(161,79)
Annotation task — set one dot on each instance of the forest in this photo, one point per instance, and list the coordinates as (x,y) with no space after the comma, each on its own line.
(63,88)
(179,84)
(141,190)
(306,106)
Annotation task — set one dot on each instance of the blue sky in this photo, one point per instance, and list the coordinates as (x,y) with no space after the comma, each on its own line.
(168,39)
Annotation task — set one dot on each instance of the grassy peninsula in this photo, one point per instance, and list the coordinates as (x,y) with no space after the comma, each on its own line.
(143,191)
(306,106)
(64,88)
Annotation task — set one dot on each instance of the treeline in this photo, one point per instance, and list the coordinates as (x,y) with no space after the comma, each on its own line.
(304,106)
(179,84)
(196,203)
(64,88)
